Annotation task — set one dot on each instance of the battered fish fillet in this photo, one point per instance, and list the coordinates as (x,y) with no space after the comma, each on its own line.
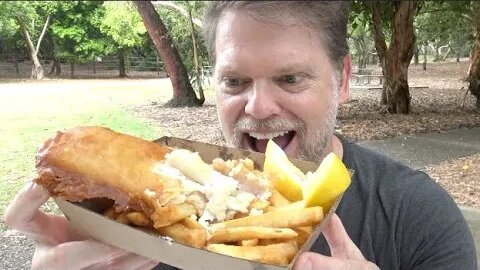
(95,162)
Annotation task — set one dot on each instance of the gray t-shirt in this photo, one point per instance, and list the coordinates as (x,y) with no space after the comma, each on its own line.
(398,217)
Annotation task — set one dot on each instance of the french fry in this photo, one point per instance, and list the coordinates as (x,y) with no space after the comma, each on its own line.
(247,233)
(122,218)
(295,205)
(303,234)
(191,224)
(139,219)
(266,242)
(248,243)
(279,254)
(170,214)
(278,200)
(280,218)
(182,234)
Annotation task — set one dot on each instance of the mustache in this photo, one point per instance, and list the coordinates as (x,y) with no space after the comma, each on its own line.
(246,124)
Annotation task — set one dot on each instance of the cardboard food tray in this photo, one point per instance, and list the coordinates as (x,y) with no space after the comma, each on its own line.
(84,218)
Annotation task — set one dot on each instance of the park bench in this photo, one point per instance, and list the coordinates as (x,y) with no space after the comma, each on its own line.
(365,76)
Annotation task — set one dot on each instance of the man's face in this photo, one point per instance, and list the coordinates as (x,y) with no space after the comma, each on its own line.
(275,82)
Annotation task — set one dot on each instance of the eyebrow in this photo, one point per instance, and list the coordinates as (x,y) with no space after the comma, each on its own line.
(282,70)
(293,68)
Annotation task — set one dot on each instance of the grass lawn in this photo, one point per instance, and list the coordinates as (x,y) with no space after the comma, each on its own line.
(30,112)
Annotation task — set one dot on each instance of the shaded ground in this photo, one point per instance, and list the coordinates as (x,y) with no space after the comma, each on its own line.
(461,177)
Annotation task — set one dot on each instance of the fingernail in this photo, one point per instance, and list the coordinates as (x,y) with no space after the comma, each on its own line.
(306,265)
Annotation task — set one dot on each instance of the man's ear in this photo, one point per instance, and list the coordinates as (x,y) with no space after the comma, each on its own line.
(345,82)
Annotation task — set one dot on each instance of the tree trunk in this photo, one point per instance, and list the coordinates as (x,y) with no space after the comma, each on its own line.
(50,52)
(425,56)
(195,58)
(446,54)
(16,64)
(397,57)
(121,63)
(56,67)
(37,69)
(415,55)
(437,52)
(72,69)
(474,68)
(183,93)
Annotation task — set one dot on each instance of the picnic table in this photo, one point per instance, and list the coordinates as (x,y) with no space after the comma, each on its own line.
(366,76)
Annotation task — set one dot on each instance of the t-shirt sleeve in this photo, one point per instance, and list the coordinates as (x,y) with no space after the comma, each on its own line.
(434,234)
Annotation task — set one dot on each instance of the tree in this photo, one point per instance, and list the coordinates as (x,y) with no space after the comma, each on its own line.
(443,26)
(78,37)
(474,69)
(183,93)
(360,39)
(25,14)
(182,24)
(395,58)
(120,22)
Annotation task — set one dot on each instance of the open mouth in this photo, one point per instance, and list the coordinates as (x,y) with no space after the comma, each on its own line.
(257,141)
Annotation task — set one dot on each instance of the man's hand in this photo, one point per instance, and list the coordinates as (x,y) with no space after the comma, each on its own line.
(58,246)
(345,254)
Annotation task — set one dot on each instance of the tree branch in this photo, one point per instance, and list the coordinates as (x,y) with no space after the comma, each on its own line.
(178,8)
(42,34)
(26,35)
(378,34)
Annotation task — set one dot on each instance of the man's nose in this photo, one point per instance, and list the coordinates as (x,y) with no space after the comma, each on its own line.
(262,102)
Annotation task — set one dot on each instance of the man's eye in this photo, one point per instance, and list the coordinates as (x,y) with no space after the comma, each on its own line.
(291,78)
(232,82)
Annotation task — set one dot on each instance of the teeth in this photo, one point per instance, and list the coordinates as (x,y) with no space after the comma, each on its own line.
(267,136)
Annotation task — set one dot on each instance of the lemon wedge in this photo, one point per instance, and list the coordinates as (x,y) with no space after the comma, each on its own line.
(322,187)
(286,177)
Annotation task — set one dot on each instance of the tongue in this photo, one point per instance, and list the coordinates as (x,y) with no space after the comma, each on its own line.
(281,141)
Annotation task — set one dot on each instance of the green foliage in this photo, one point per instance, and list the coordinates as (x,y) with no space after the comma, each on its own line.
(444,23)
(81,39)
(179,29)
(121,22)
(33,14)
(360,39)
(82,30)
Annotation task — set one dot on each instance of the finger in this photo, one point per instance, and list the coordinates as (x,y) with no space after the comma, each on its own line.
(314,261)
(73,255)
(23,214)
(128,260)
(25,205)
(341,246)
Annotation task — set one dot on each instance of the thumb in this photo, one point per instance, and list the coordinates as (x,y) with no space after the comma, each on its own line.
(314,261)
(24,207)
(23,214)
(341,246)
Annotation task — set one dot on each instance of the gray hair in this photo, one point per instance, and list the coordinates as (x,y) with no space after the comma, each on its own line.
(328,18)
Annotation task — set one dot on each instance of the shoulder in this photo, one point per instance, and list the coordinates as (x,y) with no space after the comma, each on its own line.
(429,226)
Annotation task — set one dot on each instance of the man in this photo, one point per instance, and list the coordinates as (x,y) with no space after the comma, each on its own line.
(281,70)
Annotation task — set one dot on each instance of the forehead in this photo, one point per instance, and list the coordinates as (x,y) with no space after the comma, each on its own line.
(241,38)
